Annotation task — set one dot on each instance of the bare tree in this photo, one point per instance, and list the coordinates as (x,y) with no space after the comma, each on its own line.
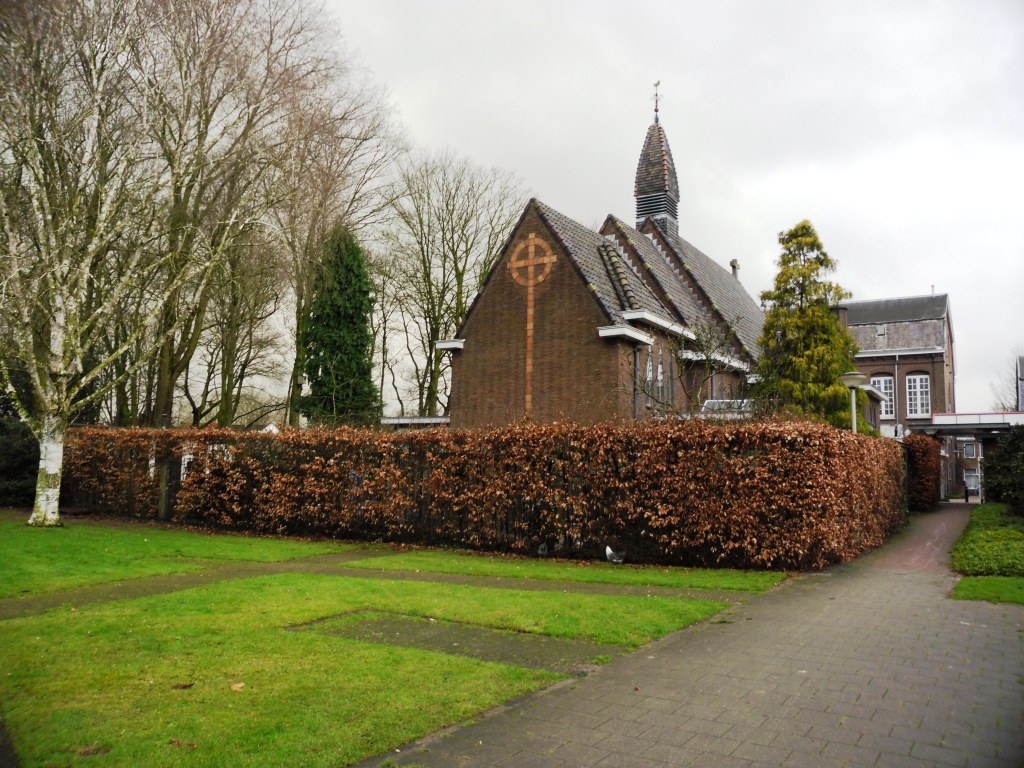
(331,168)
(135,142)
(77,211)
(450,220)
(239,345)
(1006,391)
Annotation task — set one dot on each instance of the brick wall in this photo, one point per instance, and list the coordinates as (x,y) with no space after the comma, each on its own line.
(576,375)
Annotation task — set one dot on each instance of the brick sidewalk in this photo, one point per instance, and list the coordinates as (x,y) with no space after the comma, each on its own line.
(869,664)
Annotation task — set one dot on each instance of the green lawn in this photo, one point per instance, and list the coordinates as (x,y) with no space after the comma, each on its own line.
(82,553)
(990,553)
(433,561)
(211,676)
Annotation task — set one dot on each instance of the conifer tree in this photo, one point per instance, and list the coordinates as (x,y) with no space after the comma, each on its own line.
(804,349)
(337,337)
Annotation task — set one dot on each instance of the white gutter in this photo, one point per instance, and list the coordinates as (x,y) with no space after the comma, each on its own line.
(728,360)
(645,316)
(898,352)
(452,344)
(612,331)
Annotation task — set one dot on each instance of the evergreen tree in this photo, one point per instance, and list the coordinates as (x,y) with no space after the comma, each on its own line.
(804,349)
(337,337)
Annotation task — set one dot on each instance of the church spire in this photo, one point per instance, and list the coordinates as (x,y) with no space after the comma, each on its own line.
(656,188)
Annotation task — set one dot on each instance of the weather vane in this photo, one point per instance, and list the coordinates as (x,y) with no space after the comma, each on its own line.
(656,97)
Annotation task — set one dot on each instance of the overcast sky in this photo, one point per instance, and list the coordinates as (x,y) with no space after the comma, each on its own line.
(897,128)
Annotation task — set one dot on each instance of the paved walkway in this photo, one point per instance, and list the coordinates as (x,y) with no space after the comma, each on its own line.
(868,664)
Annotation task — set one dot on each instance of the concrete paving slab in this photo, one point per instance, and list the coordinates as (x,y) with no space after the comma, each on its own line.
(866,664)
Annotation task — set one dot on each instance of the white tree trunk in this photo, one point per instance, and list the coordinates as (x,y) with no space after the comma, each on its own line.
(51,460)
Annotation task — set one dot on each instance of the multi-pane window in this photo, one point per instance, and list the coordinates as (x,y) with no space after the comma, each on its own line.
(649,378)
(884,384)
(969,451)
(919,395)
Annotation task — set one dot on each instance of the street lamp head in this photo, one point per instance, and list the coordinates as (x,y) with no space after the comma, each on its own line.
(852,379)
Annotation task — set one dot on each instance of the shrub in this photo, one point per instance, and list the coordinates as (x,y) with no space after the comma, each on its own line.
(1004,470)
(776,495)
(924,468)
(19,462)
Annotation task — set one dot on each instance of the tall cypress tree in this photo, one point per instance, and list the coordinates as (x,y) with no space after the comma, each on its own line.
(804,349)
(337,337)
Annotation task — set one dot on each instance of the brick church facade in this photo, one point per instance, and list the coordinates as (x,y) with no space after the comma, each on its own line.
(624,324)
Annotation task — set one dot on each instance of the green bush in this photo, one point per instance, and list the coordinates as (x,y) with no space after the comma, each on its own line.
(19,463)
(1004,471)
(992,544)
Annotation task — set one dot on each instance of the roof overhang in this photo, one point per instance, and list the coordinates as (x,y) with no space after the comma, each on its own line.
(716,357)
(972,423)
(450,344)
(657,321)
(896,352)
(624,331)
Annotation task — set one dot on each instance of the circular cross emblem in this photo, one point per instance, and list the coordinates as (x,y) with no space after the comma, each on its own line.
(538,254)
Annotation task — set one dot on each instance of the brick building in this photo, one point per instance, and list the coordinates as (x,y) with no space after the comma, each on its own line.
(906,350)
(621,324)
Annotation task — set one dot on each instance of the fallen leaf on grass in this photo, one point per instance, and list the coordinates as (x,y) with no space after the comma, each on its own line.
(237,686)
(181,686)
(95,749)
(180,743)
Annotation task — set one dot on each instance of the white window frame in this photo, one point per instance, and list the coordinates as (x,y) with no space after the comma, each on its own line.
(970,451)
(919,395)
(887,386)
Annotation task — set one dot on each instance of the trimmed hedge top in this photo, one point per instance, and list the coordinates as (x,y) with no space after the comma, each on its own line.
(782,495)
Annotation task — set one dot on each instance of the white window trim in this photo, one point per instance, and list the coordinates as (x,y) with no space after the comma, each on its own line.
(923,396)
(887,409)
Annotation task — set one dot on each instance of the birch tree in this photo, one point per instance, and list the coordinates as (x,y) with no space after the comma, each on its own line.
(449,222)
(77,211)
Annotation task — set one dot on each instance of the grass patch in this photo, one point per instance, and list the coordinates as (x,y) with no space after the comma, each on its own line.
(82,553)
(994,589)
(149,681)
(209,676)
(990,554)
(992,544)
(475,564)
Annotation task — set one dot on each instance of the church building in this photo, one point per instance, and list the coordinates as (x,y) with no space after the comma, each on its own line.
(628,323)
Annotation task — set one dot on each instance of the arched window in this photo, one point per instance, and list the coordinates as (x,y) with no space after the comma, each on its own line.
(884,384)
(919,395)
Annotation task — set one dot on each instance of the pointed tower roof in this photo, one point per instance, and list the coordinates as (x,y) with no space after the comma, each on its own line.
(657,187)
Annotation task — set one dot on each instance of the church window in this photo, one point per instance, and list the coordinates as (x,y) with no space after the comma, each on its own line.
(884,384)
(919,395)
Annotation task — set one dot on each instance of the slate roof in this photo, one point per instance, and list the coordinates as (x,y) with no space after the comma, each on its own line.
(687,309)
(902,310)
(727,295)
(614,284)
(656,171)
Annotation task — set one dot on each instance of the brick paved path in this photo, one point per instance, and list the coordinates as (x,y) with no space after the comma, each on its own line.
(869,664)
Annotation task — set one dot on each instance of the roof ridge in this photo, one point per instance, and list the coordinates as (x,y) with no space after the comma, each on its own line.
(613,263)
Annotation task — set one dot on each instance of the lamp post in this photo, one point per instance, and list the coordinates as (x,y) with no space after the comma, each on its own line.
(853,379)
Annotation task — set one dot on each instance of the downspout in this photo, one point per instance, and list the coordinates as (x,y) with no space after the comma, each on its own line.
(896,394)
(636,383)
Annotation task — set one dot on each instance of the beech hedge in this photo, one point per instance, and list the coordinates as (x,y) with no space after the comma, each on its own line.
(781,495)
(924,468)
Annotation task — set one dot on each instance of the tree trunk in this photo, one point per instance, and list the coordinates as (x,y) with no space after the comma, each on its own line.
(46,511)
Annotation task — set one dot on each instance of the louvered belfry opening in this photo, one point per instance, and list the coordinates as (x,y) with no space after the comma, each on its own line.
(657,187)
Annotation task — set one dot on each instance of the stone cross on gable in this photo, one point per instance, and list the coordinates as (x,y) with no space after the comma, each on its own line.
(538,254)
